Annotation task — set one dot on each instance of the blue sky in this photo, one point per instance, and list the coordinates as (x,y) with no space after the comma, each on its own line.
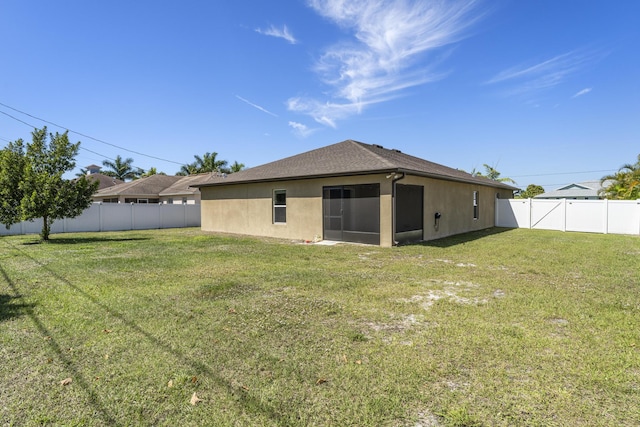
(546,91)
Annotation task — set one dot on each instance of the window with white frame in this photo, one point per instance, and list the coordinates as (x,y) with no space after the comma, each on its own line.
(475,205)
(279,206)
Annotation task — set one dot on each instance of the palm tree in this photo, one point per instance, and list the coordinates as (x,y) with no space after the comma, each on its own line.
(624,184)
(122,169)
(188,169)
(206,163)
(235,167)
(151,171)
(492,173)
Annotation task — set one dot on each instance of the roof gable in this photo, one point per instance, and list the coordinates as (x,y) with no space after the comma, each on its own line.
(347,158)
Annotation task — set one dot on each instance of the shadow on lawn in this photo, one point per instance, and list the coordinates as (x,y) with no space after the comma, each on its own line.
(77,376)
(461,239)
(249,403)
(10,306)
(81,240)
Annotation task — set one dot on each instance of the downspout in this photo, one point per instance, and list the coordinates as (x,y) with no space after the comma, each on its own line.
(393,208)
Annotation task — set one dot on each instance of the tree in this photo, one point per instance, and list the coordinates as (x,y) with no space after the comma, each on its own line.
(235,167)
(151,171)
(188,169)
(204,164)
(11,170)
(531,191)
(41,192)
(624,184)
(492,173)
(208,163)
(122,169)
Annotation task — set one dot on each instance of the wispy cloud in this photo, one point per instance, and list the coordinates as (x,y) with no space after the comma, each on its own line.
(582,92)
(390,37)
(523,79)
(282,33)
(264,110)
(301,130)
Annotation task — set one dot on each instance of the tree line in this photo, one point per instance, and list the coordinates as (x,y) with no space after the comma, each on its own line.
(32,184)
(124,170)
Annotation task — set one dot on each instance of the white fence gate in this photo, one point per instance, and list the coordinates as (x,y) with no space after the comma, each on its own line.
(594,216)
(117,217)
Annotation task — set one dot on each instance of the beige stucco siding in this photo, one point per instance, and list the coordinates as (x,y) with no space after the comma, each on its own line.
(454,201)
(248,208)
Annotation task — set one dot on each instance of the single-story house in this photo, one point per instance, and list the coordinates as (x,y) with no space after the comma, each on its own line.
(143,190)
(587,190)
(183,190)
(155,189)
(352,192)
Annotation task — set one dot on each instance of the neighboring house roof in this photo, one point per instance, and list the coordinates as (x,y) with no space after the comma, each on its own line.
(574,190)
(150,185)
(348,158)
(184,186)
(104,180)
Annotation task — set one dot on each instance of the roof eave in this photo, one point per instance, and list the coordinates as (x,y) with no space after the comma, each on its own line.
(360,173)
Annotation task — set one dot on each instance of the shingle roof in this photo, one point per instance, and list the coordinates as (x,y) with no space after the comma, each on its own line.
(185,185)
(104,180)
(149,186)
(574,190)
(348,158)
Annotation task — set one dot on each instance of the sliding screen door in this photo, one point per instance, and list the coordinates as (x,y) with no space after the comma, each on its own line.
(352,213)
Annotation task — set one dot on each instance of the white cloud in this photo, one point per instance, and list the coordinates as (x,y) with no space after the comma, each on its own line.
(264,110)
(582,92)
(382,59)
(301,130)
(546,74)
(277,32)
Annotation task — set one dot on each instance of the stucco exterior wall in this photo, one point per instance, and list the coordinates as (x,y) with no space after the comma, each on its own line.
(454,201)
(248,208)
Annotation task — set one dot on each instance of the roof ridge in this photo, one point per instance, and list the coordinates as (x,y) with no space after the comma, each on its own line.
(367,148)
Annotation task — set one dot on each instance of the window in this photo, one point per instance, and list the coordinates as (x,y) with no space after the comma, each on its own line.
(280,206)
(475,204)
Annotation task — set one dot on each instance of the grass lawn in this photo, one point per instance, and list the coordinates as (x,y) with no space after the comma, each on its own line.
(185,328)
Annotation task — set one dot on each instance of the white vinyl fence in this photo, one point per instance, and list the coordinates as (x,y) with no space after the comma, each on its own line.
(594,216)
(117,217)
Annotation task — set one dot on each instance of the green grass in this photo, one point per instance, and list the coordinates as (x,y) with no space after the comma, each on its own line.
(495,328)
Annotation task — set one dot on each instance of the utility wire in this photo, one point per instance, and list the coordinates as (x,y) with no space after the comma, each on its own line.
(563,173)
(32,126)
(81,134)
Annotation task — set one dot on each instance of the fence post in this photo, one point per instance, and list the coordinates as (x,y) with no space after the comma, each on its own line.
(564,214)
(606,216)
(133,220)
(99,216)
(638,209)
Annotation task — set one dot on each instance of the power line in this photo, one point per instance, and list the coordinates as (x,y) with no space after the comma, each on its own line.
(563,173)
(30,125)
(81,134)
